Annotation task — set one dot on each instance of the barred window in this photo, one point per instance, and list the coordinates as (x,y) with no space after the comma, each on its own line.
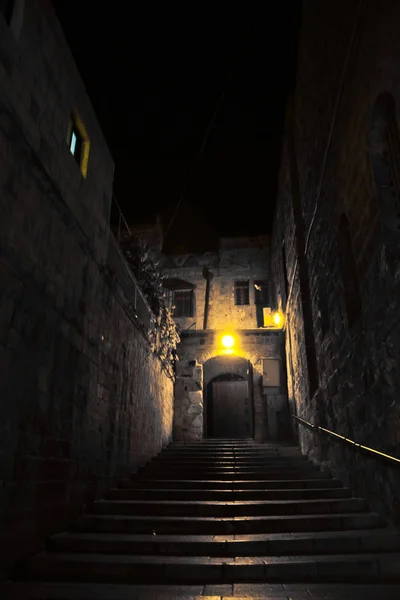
(241,293)
(183,303)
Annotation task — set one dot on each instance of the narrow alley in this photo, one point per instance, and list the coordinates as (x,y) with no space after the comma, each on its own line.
(199,380)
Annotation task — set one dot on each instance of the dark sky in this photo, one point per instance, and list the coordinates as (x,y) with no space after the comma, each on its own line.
(155,77)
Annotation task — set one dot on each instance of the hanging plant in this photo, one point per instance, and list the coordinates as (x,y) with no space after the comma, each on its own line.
(163,333)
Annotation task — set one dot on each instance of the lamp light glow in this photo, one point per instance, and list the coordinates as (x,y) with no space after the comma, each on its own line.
(228,341)
(277,318)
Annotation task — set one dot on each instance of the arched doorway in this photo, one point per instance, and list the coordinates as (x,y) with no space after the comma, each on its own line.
(228,397)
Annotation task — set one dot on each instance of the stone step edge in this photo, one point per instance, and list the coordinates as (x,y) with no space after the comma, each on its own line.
(235,539)
(384,560)
(108,568)
(166,519)
(228,482)
(303,501)
(114,591)
(229,491)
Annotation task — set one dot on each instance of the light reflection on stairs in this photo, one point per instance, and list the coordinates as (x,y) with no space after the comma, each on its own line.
(219,513)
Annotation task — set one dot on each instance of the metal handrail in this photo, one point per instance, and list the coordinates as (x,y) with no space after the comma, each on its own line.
(380,455)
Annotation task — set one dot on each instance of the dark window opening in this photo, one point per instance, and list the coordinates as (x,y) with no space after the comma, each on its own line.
(349,272)
(261,296)
(7,9)
(183,303)
(241,293)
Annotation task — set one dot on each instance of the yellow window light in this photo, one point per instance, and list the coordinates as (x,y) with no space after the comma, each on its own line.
(277,318)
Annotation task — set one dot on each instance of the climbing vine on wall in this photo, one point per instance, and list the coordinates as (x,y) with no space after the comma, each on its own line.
(163,333)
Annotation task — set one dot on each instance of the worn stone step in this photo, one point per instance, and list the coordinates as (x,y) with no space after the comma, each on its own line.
(227,526)
(232,448)
(221,447)
(231,484)
(253,448)
(213,455)
(286,463)
(234,451)
(229,509)
(212,465)
(201,494)
(225,466)
(197,451)
(219,440)
(257,591)
(231,474)
(383,540)
(226,452)
(135,568)
(227,455)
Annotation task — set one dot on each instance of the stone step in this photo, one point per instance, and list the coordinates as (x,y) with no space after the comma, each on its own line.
(217,465)
(213,455)
(198,447)
(198,450)
(240,463)
(232,448)
(207,441)
(383,540)
(230,495)
(231,484)
(230,474)
(229,509)
(136,568)
(257,591)
(227,526)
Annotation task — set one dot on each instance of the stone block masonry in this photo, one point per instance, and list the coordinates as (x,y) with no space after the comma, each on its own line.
(340,166)
(83,400)
(188,402)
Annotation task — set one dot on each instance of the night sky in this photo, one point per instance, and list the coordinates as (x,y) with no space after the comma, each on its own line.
(155,77)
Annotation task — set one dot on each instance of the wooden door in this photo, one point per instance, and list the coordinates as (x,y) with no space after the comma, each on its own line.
(231,410)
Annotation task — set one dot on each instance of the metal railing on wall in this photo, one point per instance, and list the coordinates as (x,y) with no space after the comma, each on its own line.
(369,452)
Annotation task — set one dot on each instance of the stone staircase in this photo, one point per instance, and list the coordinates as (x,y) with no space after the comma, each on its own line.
(220,512)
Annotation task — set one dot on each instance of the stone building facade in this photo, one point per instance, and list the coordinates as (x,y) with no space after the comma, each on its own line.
(336,239)
(214,295)
(83,399)
(233,272)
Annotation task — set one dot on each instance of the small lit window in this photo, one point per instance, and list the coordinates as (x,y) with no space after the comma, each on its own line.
(7,10)
(241,293)
(78,143)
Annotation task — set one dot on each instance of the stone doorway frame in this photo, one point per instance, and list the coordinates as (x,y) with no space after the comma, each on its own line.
(246,375)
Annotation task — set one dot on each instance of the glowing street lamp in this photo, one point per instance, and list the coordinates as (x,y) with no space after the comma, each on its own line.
(228,341)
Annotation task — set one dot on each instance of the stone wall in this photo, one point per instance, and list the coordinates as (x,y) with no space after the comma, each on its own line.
(83,400)
(196,348)
(237,259)
(188,402)
(333,164)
